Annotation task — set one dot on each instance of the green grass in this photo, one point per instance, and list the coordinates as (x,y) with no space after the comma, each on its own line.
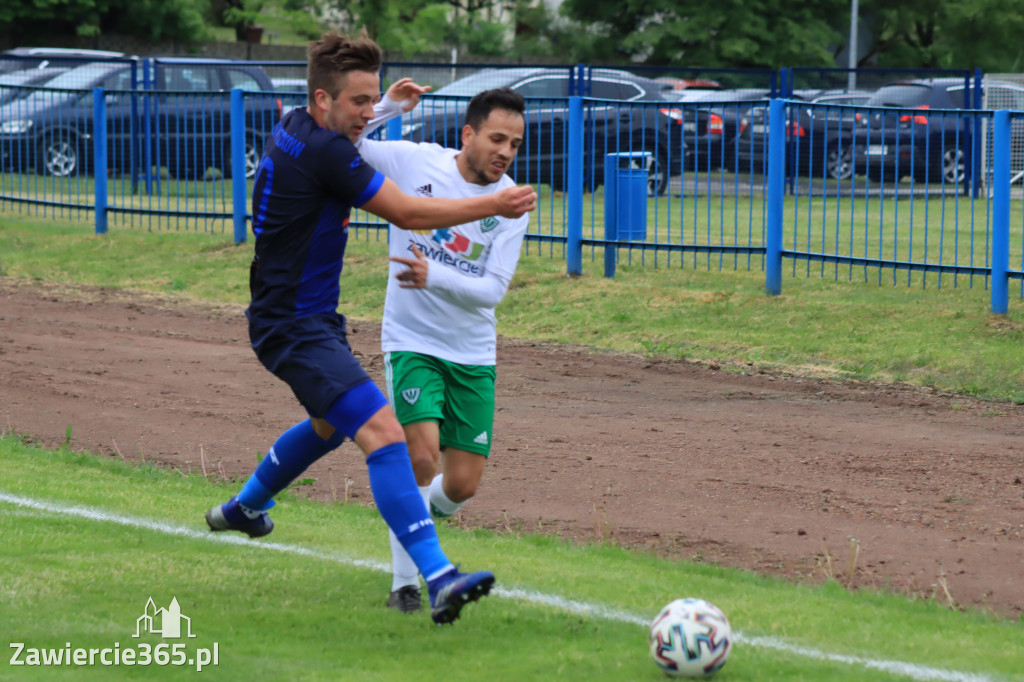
(310,611)
(938,228)
(862,327)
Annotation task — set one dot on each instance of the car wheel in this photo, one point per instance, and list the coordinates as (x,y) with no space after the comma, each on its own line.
(839,162)
(252,158)
(59,155)
(657,174)
(253,152)
(951,166)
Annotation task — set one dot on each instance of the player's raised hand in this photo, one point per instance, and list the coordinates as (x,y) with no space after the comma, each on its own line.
(513,202)
(416,276)
(407,92)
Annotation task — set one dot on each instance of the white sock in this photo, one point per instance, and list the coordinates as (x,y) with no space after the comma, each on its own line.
(439,504)
(403,568)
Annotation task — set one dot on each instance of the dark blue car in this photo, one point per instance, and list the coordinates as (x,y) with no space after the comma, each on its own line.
(16,84)
(178,118)
(626,115)
(921,129)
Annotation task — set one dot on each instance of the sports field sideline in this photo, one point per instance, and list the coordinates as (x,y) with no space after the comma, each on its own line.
(78,552)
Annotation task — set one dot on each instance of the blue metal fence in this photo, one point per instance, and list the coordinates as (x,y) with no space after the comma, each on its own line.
(880,194)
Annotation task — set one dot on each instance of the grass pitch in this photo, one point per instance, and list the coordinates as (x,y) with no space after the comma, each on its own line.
(86,541)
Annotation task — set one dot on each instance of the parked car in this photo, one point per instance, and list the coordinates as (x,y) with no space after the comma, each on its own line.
(294,92)
(16,84)
(687,95)
(712,123)
(916,128)
(289,84)
(20,58)
(810,130)
(636,119)
(182,128)
(683,89)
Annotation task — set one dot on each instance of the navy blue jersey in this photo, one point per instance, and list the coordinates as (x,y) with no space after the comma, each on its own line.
(308,181)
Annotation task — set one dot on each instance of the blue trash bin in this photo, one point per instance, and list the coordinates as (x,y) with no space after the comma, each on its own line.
(625,196)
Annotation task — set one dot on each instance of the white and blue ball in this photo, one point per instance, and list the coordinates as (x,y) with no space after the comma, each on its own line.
(690,638)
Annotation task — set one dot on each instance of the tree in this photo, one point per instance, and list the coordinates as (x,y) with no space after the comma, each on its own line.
(542,32)
(239,15)
(428,26)
(944,33)
(725,33)
(182,20)
(39,20)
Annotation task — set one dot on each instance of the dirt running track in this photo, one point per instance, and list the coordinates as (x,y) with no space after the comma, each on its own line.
(772,473)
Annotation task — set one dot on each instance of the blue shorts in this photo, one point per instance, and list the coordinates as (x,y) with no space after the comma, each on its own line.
(311,354)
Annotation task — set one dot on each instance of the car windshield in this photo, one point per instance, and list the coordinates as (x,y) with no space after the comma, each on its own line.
(83,76)
(38,100)
(478,82)
(905,95)
(733,95)
(18,77)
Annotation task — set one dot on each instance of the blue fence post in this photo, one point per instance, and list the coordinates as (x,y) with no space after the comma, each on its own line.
(785,82)
(574,182)
(611,213)
(776,187)
(976,138)
(99,156)
(239,188)
(1000,212)
(147,124)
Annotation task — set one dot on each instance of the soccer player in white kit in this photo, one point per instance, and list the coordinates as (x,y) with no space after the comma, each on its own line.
(438,334)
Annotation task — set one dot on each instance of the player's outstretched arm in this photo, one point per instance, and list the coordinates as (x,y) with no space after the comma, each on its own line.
(423,213)
(402,97)
(406,93)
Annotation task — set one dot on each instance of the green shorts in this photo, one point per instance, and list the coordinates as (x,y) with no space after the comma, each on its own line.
(460,398)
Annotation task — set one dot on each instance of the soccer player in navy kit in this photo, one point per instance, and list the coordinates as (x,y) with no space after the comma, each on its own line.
(308,180)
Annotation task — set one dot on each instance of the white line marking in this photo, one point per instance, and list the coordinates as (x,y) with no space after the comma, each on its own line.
(911,670)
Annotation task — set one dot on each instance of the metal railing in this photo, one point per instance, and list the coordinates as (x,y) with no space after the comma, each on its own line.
(884,195)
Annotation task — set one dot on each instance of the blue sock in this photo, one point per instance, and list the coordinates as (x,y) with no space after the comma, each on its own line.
(293,453)
(400,503)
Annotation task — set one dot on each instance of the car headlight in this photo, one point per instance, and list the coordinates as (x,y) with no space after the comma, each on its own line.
(17,127)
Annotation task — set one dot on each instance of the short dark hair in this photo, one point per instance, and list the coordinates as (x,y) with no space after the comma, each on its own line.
(483,103)
(336,55)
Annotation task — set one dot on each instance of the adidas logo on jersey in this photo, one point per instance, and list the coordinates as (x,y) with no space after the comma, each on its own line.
(481,439)
(411,395)
(424,191)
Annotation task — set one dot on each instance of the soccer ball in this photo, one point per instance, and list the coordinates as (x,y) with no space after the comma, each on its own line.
(690,638)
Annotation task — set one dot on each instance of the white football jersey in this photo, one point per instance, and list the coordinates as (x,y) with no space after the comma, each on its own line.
(453,318)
